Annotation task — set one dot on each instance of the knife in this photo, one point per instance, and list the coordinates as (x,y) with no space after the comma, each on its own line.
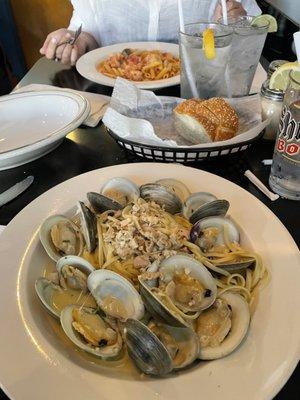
(15,190)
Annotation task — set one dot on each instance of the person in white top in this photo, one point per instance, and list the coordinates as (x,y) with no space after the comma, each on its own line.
(106,22)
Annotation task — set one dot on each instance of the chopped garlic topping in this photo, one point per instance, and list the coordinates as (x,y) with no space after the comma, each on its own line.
(145,232)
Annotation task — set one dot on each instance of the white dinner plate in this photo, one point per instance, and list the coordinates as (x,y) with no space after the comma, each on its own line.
(86,65)
(33,123)
(36,363)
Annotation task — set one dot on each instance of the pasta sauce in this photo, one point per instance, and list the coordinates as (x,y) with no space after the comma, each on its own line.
(140,65)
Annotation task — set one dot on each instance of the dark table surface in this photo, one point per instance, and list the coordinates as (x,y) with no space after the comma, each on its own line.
(86,149)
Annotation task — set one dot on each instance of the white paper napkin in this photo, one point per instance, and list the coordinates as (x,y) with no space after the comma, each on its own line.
(2,228)
(98,102)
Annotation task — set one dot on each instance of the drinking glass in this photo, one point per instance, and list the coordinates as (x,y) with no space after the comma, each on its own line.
(285,173)
(207,75)
(247,45)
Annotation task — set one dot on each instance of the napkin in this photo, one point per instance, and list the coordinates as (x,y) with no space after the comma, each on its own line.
(141,116)
(2,228)
(98,102)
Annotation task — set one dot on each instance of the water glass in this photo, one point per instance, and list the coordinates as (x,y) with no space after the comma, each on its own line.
(285,173)
(208,76)
(247,45)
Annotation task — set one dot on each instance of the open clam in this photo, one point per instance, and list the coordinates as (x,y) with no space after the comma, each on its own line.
(91,332)
(102,203)
(54,297)
(214,227)
(116,296)
(73,272)
(178,187)
(162,195)
(70,286)
(222,327)
(200,205)
(60,236)
(146,350)
(157,349)
(45,289)
(182,343)
(115,194)
(209,234)
(121,190)
(185,288)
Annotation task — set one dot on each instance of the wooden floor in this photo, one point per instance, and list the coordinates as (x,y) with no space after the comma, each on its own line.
(35,19)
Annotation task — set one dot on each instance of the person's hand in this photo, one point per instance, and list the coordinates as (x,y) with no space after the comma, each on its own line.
(67,53)
(234,10)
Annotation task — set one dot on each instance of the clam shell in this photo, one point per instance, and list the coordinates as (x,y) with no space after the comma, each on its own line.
(123,185)
(88,226)
(213,208)
(237,266)
(195,201)
(161,195)
(102,203)
(178,187)
(74,261)
(216,222)
(146,350)
(103,283)
(188,344)
(44,289)
(106,352)
(195,269)
(159,310)
(240,324)
(45,237)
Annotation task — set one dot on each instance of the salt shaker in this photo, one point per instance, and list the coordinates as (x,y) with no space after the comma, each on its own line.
(271,104)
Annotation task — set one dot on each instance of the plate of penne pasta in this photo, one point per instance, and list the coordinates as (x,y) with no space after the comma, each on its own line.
(150,65)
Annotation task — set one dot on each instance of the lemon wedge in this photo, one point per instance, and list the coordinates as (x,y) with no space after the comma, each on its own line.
(280,78)
(265,19)
(209,44)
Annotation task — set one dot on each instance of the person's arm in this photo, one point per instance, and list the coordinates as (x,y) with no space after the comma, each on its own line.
(237,9)
(251,7)
(68,54)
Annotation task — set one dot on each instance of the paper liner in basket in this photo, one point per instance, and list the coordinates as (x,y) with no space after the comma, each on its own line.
(141,116)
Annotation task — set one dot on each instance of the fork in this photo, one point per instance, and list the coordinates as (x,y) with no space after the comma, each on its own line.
(72,40)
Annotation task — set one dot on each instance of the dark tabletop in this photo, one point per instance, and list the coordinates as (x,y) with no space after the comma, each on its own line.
(86,149)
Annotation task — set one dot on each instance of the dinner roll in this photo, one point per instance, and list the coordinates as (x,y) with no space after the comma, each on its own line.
(203,121)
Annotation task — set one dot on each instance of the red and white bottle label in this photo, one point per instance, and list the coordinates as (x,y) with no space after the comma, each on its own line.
(288,141)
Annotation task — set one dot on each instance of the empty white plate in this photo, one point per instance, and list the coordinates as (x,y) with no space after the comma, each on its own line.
(33,123)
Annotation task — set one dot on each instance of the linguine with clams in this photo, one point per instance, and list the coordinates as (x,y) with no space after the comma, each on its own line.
(159,272)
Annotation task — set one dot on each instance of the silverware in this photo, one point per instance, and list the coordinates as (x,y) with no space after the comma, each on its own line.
(76,36)
(15,190)
(72,40)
